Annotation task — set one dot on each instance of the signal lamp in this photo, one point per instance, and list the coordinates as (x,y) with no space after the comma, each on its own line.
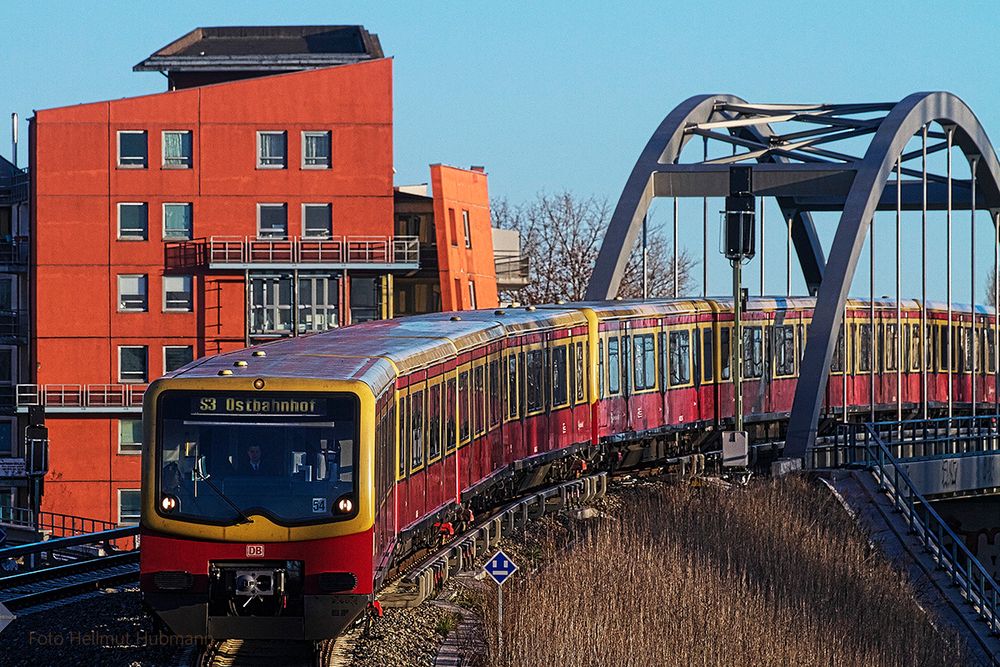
(168,503)
(345,505)
(258,383)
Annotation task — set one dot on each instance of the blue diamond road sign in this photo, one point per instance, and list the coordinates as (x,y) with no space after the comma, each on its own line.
(500,567)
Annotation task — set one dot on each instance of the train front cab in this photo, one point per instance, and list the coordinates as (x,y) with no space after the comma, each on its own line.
(226,554)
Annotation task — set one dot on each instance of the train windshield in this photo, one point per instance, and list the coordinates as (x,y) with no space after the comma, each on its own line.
(223,457)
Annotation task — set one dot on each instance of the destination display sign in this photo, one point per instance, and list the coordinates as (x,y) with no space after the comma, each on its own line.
(258,405)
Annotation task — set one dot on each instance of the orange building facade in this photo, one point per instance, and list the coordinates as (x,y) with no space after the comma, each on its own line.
(235,208)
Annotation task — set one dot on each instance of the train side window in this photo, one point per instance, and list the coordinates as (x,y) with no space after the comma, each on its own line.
(915,347)
(581,392)
(865,348)
(784,350)
(401,452)
(725,353)
(463,407)
(680,358)
(904,346)
(644,361)
(600,369)
(433,422)
(802,341)
(837,362)
(931,340)
(968,351)
(512,393)
(650,361)
(696,357)
(479,396)
(449,420)
(890,347)
(416,430)
(991,350)
(560,383)
(496,387)
(534,377)
(614,367)
(753,352)
(879,347)
(664,362)
(944,358)
(708,358)
(627,384)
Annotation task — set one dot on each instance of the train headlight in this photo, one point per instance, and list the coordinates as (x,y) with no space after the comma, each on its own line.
(168,503)
(345,505)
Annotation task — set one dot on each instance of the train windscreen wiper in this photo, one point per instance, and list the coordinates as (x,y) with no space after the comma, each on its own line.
(201,476)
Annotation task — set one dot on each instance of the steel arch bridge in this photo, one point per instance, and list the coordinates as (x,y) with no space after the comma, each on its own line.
(813,169)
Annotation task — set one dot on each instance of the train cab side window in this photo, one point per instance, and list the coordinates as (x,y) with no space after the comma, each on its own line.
(449,419)
(581,392)
(725,353)
(535,378)
(784,350)
(837,362)
(753,352)
(865,350)
(417,430)
(403,439)
(479,377)
(680,358)
(496,387)
(463,407)
(560,390)
(708,358)
(434,422)
(512,393)
(614,367)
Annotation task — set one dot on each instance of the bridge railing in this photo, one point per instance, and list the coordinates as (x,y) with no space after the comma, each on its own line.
(866,445)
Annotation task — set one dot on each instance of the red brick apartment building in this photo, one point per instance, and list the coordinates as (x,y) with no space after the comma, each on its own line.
(252,200)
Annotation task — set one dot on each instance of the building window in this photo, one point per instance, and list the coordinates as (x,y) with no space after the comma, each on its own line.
(270,305)
(271,150)
(452,226)
(319,299)
(317,221)
(175,356)
(132,363)
(129,436)
(177,293)
(472,295)
(132,221)
(132,294)
(272,221)
(364,299)
(316,150)
(177,149)
(6,497)
(7,435)
(132,149)
(8,293)
(177,221)
(8,364)
(467,227)
(128,506)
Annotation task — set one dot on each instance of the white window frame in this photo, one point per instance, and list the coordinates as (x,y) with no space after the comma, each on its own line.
(163,150)
(274,238)
(163,219)
(472,294)
(329,158)
(118,208)
(122,379)
(467,228)
(121,306)
(118,149)
(284,160)
(329,207)
(128,452)
(174,347)
(120,492)
(190,285)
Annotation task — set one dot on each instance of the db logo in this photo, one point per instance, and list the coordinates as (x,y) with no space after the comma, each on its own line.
(255,551)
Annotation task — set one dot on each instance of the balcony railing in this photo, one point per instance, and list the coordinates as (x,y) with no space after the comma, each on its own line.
(16,188)
(512,272)
(336,252)
(81,397)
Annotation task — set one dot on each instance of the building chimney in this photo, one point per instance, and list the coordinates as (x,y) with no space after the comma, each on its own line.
(476,167)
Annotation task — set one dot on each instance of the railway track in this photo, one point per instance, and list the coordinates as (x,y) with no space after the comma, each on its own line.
(40,589)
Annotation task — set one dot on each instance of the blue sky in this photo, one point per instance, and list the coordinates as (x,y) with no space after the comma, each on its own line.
(548,96)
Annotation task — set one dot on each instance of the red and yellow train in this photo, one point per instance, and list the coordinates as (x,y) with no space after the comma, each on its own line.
(282,483)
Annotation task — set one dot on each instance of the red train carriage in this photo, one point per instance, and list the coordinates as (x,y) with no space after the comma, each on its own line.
(282,483)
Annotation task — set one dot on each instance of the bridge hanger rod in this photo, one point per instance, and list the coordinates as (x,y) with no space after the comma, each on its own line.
(704,229)
(899,313)
(951,340)
(871,318)
(973,163)
(924,333)
(993,367)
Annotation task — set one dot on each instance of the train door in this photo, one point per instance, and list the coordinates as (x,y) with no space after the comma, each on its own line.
(436,491)
(402,469)
(463,389)
(560,415)
(581,414)
(495,405)
(450,473)
(417,437)
(480,458)
(534,369)
(513,435)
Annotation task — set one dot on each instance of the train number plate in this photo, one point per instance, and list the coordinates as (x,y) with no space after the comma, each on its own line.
(255,551)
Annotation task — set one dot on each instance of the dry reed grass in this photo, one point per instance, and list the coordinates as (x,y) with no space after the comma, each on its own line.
(774,574)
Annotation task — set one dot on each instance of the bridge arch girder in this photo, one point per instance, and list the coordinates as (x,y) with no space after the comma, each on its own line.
(906,119)
(663,148)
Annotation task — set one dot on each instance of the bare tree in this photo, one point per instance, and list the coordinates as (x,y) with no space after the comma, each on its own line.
(561,235)
(990,290)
